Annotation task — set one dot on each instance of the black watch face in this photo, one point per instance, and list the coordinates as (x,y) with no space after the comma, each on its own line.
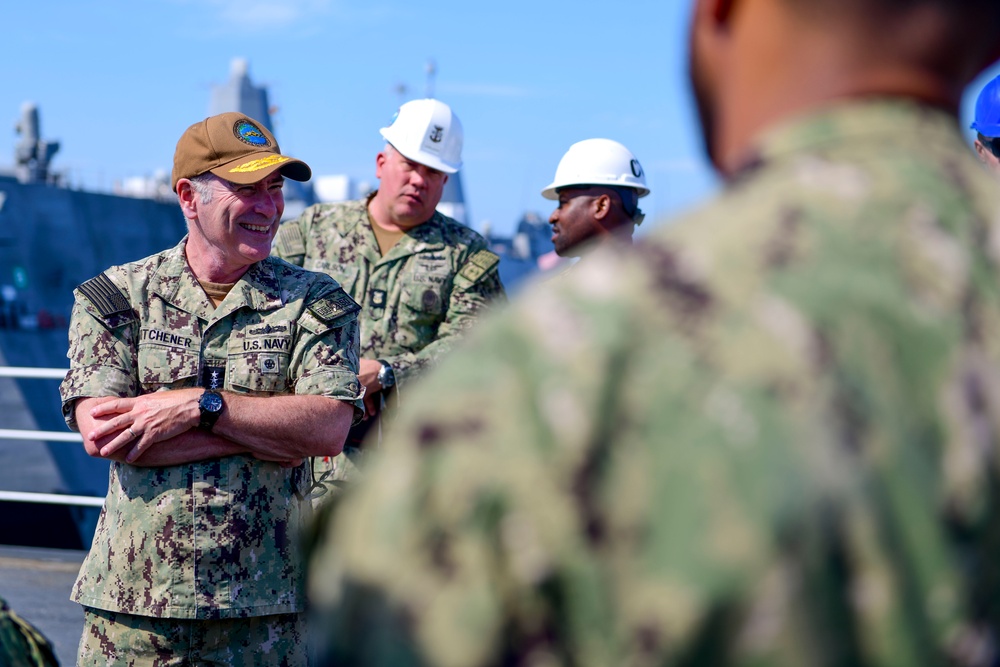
(211,402)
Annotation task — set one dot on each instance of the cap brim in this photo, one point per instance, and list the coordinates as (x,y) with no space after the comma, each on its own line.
(255,167)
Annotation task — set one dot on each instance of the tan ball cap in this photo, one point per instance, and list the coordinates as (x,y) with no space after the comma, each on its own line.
(234,147)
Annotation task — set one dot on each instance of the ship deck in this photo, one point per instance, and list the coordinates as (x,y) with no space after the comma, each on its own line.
(36,584)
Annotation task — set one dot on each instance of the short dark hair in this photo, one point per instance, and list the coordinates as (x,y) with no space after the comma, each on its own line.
(968,37)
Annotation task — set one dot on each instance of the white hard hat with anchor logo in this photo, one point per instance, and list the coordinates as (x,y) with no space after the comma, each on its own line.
(427,132)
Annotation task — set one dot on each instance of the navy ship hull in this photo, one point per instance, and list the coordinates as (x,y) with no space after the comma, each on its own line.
(51,240)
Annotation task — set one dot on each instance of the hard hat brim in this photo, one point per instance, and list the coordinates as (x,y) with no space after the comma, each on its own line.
(424,159)
(990,130)
(551,191)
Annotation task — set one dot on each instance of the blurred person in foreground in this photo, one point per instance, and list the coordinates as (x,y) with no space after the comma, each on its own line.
(598,184)
(986,123)
(207,373)
(769,434)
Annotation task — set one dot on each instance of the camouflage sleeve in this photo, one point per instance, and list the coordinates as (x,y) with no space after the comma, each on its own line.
(510,525)
(325,357)
(475,288)
(102,345)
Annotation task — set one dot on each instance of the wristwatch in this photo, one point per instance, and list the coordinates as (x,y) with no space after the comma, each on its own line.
(386,377)
(210,404)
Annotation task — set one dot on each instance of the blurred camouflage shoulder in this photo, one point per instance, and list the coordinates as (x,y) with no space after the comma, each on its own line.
(22,645)
(754,439)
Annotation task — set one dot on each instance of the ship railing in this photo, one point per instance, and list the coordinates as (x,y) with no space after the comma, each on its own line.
(42,436)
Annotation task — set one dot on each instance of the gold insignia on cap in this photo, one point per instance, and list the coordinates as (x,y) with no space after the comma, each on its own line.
(258,164)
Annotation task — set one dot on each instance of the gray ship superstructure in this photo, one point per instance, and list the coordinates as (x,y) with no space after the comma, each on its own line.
(52,238)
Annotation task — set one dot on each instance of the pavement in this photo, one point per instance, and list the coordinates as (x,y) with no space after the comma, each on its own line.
(36,584)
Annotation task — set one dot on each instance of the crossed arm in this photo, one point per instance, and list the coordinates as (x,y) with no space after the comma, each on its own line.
(283,429)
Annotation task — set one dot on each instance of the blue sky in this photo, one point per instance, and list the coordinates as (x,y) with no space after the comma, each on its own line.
(117,82)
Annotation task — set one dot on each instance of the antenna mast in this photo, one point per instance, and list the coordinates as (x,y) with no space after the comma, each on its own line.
(431,72)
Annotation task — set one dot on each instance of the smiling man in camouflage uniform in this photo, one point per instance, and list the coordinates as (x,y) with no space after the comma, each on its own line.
(208,372)
(421,278)
(768,435)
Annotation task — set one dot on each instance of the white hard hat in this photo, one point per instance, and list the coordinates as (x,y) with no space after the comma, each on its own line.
(426,131)
(598,162)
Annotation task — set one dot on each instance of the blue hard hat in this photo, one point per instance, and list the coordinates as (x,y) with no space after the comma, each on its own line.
(987,120)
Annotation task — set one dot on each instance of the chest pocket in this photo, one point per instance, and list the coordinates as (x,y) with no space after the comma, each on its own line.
(427,286)
(167,358)
(259,356)
(345,274)
(423,305)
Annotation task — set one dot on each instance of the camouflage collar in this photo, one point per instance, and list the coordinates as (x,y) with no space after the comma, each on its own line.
(174,282)
(428,236)
(843,125)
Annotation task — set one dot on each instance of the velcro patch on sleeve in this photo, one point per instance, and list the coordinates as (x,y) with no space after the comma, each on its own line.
(334,305)
(290,242)
(107,297)
(479,265)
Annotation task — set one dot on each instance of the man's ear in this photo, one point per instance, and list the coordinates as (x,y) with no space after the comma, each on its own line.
(601,207)
(982,152)
(188,198)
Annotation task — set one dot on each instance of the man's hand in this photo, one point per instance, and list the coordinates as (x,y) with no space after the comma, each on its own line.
(368,370)
(145,420)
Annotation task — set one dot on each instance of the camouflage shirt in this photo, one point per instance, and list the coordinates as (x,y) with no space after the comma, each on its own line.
(767,435)
(418,299)
(217,538)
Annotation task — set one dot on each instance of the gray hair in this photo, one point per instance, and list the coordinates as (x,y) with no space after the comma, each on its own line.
(202,184)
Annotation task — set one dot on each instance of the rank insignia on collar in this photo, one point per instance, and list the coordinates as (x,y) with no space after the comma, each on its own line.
(213,376)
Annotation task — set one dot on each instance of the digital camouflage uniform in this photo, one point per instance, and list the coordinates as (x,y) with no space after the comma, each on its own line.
(21,645)
(215,539)
(417,301)
(768,435)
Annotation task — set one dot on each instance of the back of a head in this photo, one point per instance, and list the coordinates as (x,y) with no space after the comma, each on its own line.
(755,63)
(954,38)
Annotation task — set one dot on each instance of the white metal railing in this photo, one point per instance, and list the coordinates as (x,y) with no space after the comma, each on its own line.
(42,436)
(33,373)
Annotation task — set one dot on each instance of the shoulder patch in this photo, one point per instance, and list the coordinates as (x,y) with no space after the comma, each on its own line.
(333,305)
(289,241)
(107,297)
(479,265)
